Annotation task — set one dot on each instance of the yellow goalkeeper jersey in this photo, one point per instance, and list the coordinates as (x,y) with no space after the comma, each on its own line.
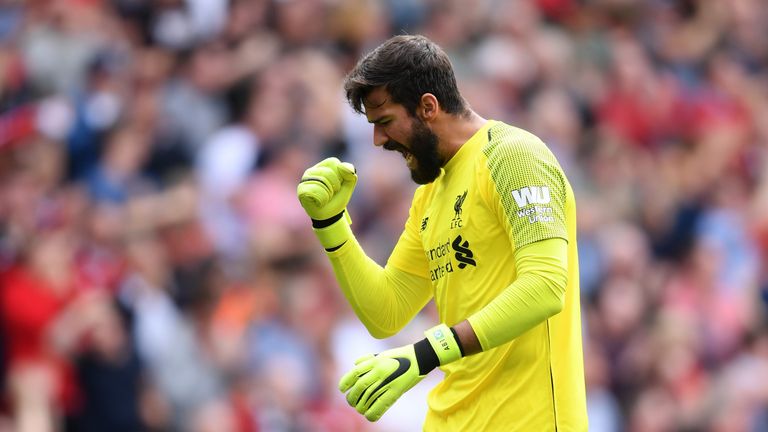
(502,190)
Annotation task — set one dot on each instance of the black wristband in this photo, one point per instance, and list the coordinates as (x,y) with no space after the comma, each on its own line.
(458,341)
(324,223)
(425,356)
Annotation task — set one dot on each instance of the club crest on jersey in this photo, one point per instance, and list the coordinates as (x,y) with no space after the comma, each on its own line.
(456,222)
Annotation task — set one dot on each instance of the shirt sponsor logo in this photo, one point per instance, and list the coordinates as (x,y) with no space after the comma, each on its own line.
(537,214)
(461,252)
(538,195)
(438,251)
(531,195)
(440,270)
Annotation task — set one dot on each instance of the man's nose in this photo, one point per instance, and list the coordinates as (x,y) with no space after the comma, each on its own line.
(379,137)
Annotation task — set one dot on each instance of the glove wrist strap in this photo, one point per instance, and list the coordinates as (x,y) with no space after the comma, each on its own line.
(442,340)
(324,223)
(425,357)
(336,234)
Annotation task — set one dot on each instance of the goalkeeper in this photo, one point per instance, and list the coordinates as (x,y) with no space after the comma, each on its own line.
(491,236)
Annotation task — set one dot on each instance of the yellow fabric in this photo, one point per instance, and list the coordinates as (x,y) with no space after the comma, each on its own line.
(466,232)
(537,293)
(440,338)
(384,299)
(335,234)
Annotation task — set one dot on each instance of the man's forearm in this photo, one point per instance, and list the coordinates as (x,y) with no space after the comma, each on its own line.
(384,299)
(467,338)
(537,294)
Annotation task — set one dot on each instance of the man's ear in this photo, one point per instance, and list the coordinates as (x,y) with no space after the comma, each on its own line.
(428,107)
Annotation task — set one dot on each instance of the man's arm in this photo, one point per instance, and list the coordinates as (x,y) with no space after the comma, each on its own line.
(467,338)
(384,299)
(537,294)
(377,381)
(520,177)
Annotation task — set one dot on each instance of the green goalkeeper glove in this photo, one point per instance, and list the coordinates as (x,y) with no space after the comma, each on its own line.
(324,191)
(377,381)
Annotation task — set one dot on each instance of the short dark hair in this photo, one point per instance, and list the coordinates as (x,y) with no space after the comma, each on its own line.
(407,66)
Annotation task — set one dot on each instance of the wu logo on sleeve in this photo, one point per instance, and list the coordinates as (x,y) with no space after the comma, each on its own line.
(456,222)
(531,201)
(531,195)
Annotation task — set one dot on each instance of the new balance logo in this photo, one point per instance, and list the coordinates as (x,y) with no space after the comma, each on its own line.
(463,253)
(531,195)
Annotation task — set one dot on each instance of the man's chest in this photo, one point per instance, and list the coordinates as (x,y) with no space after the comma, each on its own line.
(457,227)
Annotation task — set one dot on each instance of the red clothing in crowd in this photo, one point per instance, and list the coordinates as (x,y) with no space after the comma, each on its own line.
(28,307)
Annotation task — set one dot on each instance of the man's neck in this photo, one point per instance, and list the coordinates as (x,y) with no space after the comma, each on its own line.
(454,131)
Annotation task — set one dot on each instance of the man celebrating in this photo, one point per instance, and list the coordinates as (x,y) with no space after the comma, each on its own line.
(491,235)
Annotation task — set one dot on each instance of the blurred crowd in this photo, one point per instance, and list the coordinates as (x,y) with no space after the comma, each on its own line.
(157,272)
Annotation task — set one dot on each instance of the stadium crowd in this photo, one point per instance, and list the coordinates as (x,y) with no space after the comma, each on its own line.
(157,272)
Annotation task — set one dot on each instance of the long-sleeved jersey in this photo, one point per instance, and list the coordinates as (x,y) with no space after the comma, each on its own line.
(501,211)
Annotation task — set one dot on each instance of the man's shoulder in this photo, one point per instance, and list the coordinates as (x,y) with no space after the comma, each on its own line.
(422,192)
(505,135)
(510,144)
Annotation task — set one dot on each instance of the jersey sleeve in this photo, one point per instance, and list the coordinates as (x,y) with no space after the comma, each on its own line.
(384,299)
(523,182)
(408,254)
(536,294)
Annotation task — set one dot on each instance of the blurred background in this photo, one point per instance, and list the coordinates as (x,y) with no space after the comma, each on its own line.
(158,274)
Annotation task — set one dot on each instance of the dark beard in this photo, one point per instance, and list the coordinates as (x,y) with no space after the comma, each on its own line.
(424,151)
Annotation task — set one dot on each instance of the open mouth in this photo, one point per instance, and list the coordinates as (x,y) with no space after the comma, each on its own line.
(408,156)
(400,149)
